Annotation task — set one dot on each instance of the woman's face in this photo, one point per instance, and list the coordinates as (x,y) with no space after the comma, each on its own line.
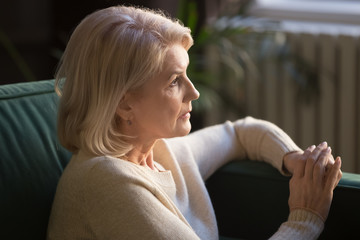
(161,108)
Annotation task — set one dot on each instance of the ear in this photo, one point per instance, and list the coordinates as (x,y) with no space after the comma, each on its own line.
(124,109)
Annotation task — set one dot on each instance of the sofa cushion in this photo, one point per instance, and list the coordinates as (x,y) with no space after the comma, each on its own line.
(31,159)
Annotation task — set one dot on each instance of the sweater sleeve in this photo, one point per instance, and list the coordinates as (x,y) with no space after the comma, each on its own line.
(214,146)
(264,141)
(301,225)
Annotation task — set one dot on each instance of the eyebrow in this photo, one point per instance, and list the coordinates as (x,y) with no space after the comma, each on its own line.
(178,72)
(174,73)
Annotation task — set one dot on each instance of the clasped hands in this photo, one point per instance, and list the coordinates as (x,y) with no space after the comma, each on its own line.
(315,174)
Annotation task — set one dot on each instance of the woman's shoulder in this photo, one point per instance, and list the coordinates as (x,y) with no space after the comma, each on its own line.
(107,170)
(105,167)
(84,170)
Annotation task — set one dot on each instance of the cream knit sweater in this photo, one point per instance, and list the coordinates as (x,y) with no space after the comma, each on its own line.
(107,198)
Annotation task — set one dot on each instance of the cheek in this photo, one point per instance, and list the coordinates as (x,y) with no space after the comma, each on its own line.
(160,109)
(163,111)
(171,103)
(170,110)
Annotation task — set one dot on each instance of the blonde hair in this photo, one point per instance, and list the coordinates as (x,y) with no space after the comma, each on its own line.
(112,51)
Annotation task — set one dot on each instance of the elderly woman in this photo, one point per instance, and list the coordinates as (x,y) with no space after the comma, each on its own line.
(124,113)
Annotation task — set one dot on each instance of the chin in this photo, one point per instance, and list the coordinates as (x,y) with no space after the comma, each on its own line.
(186,133)
(185,130)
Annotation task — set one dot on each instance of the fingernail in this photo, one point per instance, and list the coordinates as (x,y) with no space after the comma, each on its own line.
(322,144)
(328,149)
(338,161)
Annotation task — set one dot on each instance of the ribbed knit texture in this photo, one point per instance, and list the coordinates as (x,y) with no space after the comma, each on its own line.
(301,224)
(108,198)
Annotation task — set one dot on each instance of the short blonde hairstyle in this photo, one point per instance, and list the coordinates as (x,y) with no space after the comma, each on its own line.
(112,51)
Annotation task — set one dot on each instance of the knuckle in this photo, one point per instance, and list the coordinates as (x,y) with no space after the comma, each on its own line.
(307,152)
(318,167)
(319,163)
(311,159)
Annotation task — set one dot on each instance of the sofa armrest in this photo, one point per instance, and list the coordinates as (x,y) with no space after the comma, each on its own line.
(251,201)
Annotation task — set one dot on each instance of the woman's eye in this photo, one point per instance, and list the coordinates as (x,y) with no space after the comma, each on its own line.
(175,82)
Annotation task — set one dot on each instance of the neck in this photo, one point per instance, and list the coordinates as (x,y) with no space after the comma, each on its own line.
(142,155)
(142,152)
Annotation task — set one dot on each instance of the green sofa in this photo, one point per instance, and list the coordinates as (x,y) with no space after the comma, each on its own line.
(250,198)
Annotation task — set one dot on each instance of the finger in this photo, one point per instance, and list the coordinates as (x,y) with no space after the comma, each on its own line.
(319,168)
(310,162)
(327,151)
(331,159)
(308,151)
(333,177)
(299,171)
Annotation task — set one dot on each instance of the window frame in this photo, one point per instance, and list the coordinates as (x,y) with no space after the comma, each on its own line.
(335,11)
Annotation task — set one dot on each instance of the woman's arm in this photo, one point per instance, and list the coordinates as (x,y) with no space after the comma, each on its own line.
(212,147)
(260,140)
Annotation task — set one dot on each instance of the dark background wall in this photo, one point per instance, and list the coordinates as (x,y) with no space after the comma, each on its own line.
(33,33)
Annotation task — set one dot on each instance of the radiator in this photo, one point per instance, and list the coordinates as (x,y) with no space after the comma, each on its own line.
(334,116)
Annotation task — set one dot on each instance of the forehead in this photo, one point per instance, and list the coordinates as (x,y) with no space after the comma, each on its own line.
(176,58)
(175,62)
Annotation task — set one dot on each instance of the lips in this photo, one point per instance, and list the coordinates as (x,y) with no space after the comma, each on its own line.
(186,115)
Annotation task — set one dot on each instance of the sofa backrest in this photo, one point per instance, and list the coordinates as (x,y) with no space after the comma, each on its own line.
(31,158)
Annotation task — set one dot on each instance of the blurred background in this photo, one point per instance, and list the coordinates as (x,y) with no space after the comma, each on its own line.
(295,63)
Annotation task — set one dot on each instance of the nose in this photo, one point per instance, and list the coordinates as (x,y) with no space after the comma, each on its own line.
(191,92)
